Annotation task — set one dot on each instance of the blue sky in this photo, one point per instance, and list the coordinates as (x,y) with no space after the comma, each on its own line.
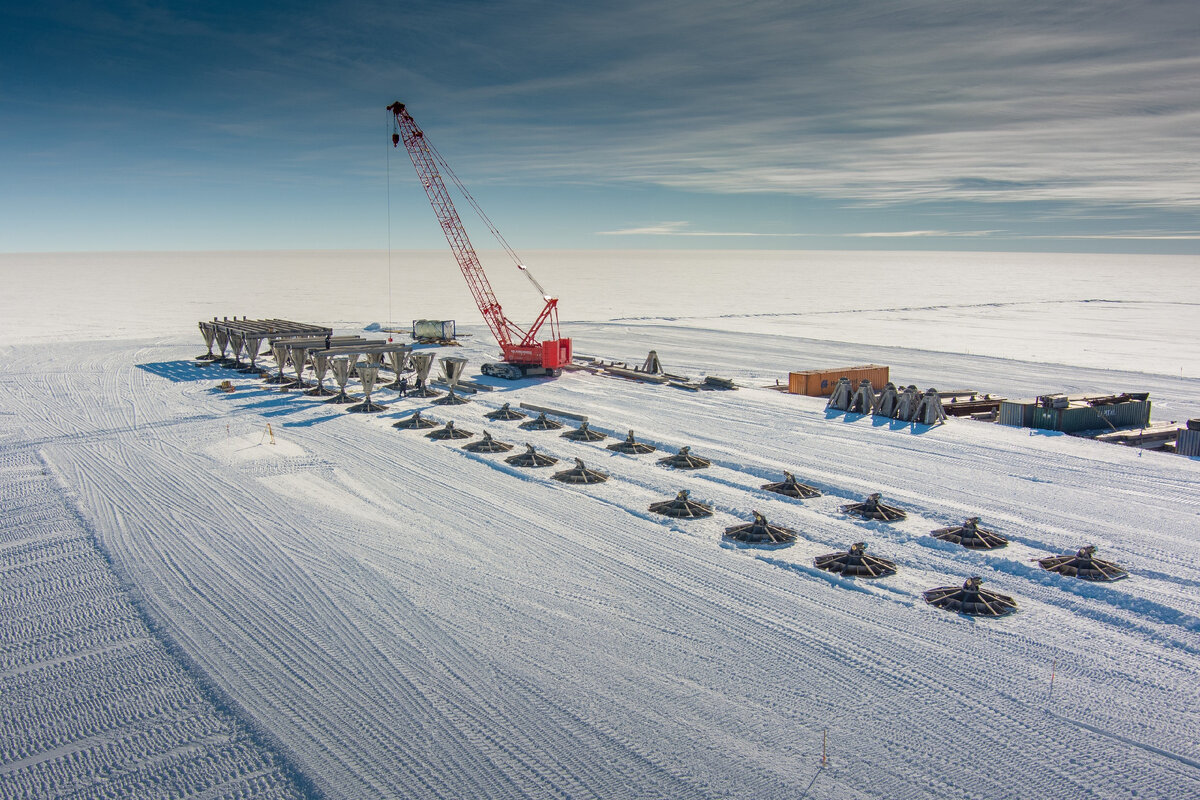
(1042,126)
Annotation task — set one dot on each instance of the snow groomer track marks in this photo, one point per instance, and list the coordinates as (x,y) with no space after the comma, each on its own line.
(93,704)
(407,618)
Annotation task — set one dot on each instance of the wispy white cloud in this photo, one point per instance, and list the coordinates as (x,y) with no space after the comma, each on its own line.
(917,234)
(1159,237)
(905,121)
(682,229)
(1036,101)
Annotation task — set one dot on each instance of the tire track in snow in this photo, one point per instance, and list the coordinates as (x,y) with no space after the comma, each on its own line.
(735,614)
(943,688)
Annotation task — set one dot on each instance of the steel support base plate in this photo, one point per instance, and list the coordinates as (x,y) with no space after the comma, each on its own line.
(366,408)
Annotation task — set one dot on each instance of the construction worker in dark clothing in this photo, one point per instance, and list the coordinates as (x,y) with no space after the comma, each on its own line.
(403,387)
(328,336)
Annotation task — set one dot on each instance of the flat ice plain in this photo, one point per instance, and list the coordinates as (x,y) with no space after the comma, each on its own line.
(359,612)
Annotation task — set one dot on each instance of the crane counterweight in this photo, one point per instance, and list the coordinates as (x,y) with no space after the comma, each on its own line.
(522,352)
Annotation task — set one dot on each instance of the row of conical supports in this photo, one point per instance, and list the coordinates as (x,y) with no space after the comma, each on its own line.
(853,563)
(247,334)
(684,459)
(907,404)
(400,359)
(970,598)
(529,459)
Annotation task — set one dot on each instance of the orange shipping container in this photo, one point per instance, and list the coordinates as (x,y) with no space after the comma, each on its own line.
(820,382)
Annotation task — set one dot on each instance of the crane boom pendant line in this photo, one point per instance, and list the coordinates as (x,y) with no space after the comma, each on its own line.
(520,346)
(388,161)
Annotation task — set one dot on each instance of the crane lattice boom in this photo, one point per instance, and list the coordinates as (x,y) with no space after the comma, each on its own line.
(519,346)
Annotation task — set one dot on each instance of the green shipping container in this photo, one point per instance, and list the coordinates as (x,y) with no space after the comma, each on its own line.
(1131,414)
(1017,413)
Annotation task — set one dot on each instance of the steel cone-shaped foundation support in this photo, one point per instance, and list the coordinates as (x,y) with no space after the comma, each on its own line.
(971,599)
(1083,564)
(340,367)
(540,423)
(368,375)
(580,474)
(422,361)
(450,399)
(504,413)
(531,458)
(631,446)
(236,342)
(281,354)
(222,337)
(681,507)
(760,532)
(855,563)
(792,488)
(320,367)
(488,445)
(398,361)
(970,535)
(452,368)
(449,432)
(209,332)
(685,460)
(872,509)
(584,434)
(415,422)
(253,343)
(299,356)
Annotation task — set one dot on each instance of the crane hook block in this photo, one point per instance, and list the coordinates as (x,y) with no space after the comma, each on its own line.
(395,139)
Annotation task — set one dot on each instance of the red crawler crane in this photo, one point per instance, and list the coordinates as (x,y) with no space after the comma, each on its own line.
(523,354)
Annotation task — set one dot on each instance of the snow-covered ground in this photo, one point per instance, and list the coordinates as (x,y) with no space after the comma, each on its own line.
(91,703)
(1129,312)
(396,617)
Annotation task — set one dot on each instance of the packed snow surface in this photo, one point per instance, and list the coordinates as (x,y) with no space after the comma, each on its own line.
(390,616)
(91,704)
